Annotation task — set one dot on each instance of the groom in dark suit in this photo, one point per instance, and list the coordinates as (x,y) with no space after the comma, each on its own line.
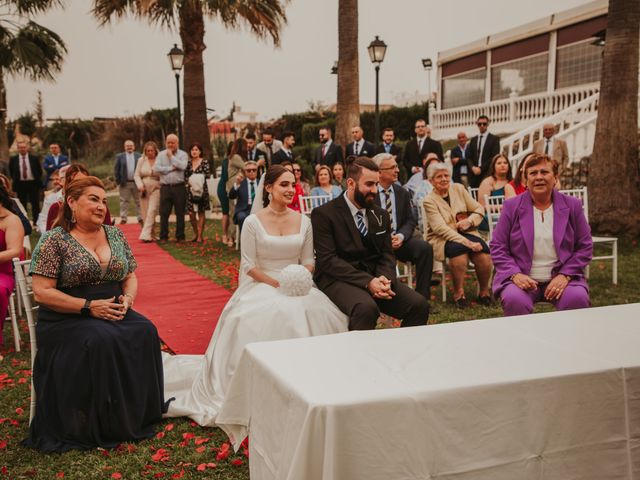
(355,265)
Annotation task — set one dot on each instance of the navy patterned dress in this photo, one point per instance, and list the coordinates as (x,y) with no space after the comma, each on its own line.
(98,383)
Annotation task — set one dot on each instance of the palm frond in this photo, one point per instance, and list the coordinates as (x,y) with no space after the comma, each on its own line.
(163,12)
(34,7)
(36,51)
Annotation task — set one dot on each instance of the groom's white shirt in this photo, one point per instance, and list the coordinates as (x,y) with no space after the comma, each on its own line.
(354,210)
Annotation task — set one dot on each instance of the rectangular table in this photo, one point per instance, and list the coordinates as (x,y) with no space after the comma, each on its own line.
(546,396)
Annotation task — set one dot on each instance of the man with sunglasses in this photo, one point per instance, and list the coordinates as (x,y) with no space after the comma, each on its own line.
(244,192)
(482,148)
(328,153)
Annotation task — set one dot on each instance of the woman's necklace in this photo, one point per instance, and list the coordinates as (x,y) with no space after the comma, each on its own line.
(276,212)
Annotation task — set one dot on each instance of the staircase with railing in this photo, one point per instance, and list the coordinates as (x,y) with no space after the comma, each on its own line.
(576,125)
(508,115)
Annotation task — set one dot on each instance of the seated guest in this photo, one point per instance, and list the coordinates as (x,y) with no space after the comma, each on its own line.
(18,208)
(517,185)
(494,183)
(295,204)
(541,245)
(338,175)
(11,238)
(301,179)
(98,371)
(244,191)
(324,185)
(452,220)
(397,202)
(417,180)
(355,265)
(424,188)
(51,197)
(76,170)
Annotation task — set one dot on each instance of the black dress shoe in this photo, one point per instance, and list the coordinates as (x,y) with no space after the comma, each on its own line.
(485,301)
(461,303)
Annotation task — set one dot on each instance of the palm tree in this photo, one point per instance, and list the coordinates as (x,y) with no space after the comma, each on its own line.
(265,18)
(348,104)
(26,48)
(614,180)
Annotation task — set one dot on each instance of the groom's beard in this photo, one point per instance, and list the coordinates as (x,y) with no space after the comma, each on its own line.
(364,200)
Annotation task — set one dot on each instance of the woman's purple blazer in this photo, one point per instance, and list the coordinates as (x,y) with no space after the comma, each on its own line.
(512,242)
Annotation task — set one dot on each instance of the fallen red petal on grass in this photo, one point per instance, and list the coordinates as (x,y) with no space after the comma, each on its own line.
(161,455)
(245,452)
(22,380)
(60,475)
(116,475)
(201,440)
(19,411)
(188,435)
(131,448)
(169,427)
(201,449)
(236,461)
(224,452)
(178,475)
(160,435)
(245,442)
(202,467)
(3,444)
(158,475)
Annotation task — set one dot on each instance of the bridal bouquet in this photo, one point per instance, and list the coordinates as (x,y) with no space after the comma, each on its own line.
(295,281)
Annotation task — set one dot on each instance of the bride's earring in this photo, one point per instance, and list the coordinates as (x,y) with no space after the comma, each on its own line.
(73,216)
(269,197)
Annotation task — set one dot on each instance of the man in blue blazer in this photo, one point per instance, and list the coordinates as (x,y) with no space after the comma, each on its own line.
(123,172)
(52,162)
(459,155)
(244,192)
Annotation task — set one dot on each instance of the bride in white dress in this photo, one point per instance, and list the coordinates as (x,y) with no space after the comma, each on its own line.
(262,308)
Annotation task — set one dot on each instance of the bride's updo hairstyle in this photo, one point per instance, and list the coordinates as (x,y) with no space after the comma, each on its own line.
(270,178)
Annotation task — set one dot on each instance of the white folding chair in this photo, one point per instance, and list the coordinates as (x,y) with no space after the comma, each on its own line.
(474,192)
(26,292)
(13,318)
(493,207)
(404,270)
(237,237)
(581,194)
(309,202)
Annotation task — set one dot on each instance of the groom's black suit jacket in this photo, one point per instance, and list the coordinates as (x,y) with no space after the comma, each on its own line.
(341,252)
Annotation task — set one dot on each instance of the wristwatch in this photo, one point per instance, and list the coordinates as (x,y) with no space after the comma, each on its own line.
(86,310)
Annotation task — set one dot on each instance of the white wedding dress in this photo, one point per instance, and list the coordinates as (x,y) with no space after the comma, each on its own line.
(257,312)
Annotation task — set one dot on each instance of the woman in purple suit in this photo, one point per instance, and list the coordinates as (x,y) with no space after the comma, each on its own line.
(541,245)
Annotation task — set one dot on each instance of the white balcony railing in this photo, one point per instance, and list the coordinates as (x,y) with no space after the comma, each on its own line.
(509,115)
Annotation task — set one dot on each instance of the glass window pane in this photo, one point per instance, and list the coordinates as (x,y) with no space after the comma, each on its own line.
(525,76)
(463,89)
(578,64)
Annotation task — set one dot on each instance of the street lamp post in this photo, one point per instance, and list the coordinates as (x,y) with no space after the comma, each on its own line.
(334,68)
(377,49)
(427,64)
(176,58)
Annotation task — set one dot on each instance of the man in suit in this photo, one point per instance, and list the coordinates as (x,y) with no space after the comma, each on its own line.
(417,148)
(26,175)
(459,160)
(170,165)
(360,147)
(397,202)
(124,170)
(387,145)
(253,153)
(328,153)
(555,148)
(482,148)
(269,146)
(355,265)
(53,162)
(285,154)
(244,192)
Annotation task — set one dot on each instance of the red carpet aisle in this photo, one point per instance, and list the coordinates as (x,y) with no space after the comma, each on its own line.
(183,305)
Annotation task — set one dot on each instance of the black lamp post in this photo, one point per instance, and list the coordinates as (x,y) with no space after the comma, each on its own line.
(176,58)
(428,65)
(377,49)
(334,69)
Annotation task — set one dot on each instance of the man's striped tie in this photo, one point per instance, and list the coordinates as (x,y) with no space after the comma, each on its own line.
(387,202)
(362,228)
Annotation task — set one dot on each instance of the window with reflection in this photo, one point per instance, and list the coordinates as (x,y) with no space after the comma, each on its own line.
(524,76)
(578,64)
(463,89)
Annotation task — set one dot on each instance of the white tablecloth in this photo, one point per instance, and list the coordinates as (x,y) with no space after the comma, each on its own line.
(547,396)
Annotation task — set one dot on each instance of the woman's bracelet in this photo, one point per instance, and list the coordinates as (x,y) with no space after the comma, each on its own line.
(130,297)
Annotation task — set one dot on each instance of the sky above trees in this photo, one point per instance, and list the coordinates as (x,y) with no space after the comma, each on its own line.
(122,69)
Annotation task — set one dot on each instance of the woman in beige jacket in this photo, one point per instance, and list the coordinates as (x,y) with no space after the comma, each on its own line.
(452,219)
(148,183)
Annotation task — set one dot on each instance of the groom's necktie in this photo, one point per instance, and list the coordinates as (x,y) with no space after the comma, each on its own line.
(362,228)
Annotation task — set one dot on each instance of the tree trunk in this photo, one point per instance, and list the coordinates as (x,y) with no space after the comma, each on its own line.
(348,105)
(614,177)
(195,105)
(4,137)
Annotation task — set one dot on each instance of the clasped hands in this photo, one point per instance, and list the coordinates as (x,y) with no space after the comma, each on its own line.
(110,309)
(380,287)
(554,289)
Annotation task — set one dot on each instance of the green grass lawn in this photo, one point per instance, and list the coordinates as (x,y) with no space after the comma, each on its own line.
(182,449)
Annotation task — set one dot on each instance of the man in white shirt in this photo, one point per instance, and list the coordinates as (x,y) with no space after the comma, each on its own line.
(269,145)
(171,164)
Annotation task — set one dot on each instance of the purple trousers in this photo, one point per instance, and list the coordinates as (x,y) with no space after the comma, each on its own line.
(516,301)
